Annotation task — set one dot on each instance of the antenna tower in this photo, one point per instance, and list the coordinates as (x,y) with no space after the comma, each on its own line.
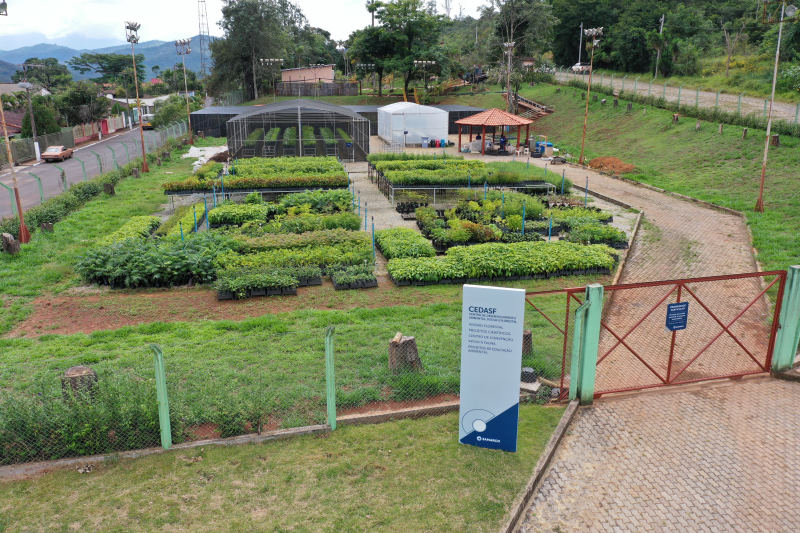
(202,14)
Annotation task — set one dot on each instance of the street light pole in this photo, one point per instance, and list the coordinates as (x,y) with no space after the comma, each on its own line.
(24,234)
(132,36)
(791,11)
(594,34)
(182,48)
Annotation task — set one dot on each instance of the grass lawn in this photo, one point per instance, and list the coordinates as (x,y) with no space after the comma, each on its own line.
(723,169)
(408,475)
(46,262)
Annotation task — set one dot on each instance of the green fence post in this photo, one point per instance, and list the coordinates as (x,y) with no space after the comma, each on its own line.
(636,85)
(739,105)
(330,377)
(39,183)
(697,97)
(680,88)
(788,336)
(623,85)
(601,78)
(99,161)
(113,156)
(649,88)
(161,395)
(716,102)
(575,362)
(588,345)
(11,197)
(664,92)
(765,109)
(63,177)
(796,112)
(83,168)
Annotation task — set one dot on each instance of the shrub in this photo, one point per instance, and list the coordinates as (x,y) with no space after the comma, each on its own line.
(302,223)
(186,220)
(86,190)
(255,136)
(308,136)
(325,257)
(301,240)
(500,260)
(403,156)
(354,274)
(290,137)
(403,242)
(209,170)
(134,263)
(240,281)
(597,234)
(572,216)
(137,228)
(238,214)
(320,201)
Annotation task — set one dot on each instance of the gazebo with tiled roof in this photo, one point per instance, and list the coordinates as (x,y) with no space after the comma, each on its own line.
(492,117)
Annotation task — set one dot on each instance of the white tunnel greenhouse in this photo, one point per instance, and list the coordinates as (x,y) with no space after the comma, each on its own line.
(418,120)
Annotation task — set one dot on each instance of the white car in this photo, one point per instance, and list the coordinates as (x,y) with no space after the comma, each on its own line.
(581,68)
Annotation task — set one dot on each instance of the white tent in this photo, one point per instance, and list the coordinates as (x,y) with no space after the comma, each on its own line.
(418,120)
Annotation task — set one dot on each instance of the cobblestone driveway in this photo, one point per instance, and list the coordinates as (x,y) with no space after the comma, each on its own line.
(719,458)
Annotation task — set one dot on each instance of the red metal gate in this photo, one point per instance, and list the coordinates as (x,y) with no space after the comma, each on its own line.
(730,330)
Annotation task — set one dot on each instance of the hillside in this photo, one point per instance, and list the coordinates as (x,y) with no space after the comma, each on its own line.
(6,71)
(161,53)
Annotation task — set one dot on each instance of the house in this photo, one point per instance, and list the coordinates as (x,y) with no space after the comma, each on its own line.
(156,81)
(148,104)
(310,74)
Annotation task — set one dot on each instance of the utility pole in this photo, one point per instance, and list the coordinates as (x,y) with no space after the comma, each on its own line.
(132,36)
(28,86)
(24,234)
(182,47)
(594,34)
(580,44)
(658,54)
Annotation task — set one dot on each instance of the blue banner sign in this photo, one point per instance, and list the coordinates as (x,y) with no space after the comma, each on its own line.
(491,358)
(677,316)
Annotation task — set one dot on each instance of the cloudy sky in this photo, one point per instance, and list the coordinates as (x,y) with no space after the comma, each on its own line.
(97,23)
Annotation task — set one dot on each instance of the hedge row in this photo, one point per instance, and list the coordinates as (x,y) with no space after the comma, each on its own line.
(326,257)
(495,260)
(403,156)
(261,166)
(403,242)
(238,214)
(186,220)
(430,164)
(302,223)
(331,237)
(328,180)
(598,234)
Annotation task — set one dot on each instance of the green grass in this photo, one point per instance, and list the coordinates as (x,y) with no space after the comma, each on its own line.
(202,142)
(723,169)
(45,264)
(408,475)
(272,364)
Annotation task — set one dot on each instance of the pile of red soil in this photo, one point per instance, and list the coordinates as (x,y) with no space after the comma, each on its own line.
(611,165)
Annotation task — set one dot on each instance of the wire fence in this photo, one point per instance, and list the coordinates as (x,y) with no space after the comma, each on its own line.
(265,380)
(39,183)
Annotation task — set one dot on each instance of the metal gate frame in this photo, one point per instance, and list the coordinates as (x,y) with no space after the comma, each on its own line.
(680,285)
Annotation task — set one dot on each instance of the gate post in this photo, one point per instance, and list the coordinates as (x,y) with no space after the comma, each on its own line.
(585,345)
(788,335)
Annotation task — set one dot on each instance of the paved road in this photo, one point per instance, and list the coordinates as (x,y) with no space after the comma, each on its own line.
(50,174)
(728,102)
(718,458)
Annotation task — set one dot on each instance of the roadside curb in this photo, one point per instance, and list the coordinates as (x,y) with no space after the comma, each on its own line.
(523,500)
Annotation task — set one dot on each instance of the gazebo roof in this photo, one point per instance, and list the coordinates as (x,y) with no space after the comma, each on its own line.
(494,117)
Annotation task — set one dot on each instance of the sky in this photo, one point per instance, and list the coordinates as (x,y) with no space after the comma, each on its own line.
(99,23)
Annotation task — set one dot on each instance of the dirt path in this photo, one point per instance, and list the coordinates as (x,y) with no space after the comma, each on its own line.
(691,97)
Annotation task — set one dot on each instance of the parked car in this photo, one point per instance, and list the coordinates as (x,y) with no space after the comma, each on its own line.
(581,68)
(57,153)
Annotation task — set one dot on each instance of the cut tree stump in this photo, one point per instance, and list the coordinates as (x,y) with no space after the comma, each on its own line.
(775,140)
(720,128)
(697,125)
(78,381)
(46,226)
(10,244)
(135,172)
(403,354)
(630,107)
(675,117)
(744,133)
(108,188)
(527,343)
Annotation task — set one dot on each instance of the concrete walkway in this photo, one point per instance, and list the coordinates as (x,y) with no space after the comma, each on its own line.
(717,458)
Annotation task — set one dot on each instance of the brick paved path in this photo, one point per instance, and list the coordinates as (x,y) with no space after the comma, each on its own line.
(722,458)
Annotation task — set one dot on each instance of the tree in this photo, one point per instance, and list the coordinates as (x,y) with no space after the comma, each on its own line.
(80,104)
(45,118)
(173,109)
(156,70)
(109,66)
(415,28)
(373,45)
(48,73)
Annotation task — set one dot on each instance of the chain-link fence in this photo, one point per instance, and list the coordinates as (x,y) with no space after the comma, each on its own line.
(23,149)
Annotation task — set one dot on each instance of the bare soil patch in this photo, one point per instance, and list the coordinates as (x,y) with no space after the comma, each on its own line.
(613,165)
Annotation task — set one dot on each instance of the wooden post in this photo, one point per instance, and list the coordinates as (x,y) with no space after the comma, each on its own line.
(470,133)
(519,131)
(483,140)
(775,140)
(78,380)
(697,125)
(459,139)
(403,354)
(744,133)
(675,118)
(720,128)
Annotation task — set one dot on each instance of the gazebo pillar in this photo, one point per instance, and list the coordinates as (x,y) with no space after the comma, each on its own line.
(470,133)
(459,139)
(519,130)
(527,133)
(483,140)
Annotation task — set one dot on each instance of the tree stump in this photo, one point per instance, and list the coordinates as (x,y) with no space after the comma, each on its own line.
(527,343)
(616,102)
(603,101)
(77,382)
(775,140)
(135,172)
(675,117)
(630,107)
(10,244)
(165,156)
(158,161)
(594,98)
(46,226)
(697,125)
(108,188)
(744,133)
(403,354)
(720,128)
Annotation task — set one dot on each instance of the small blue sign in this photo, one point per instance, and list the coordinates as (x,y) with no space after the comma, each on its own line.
(677,316)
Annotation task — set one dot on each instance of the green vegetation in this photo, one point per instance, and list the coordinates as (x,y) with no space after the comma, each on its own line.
(409,475)
(723,169)
(137,228)
(254,137)
(597,234)
(302,223)
(403,242)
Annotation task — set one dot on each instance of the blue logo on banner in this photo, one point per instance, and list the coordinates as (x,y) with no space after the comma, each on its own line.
(677,316)
(499,432)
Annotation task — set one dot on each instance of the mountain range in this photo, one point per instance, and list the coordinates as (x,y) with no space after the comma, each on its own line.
(161,53)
